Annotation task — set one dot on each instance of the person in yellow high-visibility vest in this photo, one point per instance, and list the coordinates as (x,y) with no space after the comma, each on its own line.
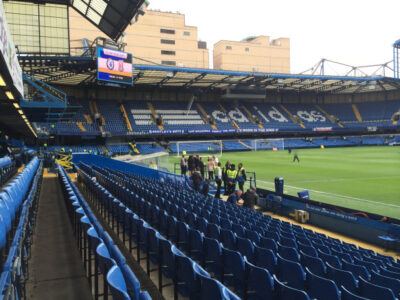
(152,165)
(231,175)
(241,176)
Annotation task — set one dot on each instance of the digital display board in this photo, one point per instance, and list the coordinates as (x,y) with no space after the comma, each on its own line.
(114,66)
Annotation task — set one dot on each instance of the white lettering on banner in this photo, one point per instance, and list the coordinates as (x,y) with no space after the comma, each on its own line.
(220,116)
(7,50)
(312,116)
(238,116)
(277,115)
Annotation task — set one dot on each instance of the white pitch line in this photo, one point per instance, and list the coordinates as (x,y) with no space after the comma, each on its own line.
(335,195)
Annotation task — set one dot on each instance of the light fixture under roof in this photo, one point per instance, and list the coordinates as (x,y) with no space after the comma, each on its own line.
(16,105)
(20,111)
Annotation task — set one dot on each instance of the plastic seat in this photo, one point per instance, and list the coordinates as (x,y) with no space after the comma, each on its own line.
(347,295)
(314,264)
(309,250)
(131,281)
(117,284)
(268,243)
(358,271)
(188,281)
(245,247)
(172,228)
(343,255)
(265,258)
(202,225)
(374,292)
(239,230)
(212,289)
(342,278)
(369,265)
(183,236)
(388,273)
(321,288)
(254,236)
(288,293)
(289,253)
(213,231)
(390,283)
(288,242)
(333,260)
(228,239)
(195,246)
(260,284)
(233,270)
(105,260)
(213,257)
(291,273)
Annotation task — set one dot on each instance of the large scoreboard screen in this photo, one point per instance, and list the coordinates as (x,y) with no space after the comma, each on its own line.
(114,66)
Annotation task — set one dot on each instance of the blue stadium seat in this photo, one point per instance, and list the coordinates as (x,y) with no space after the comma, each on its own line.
(309,250)
(233,270)
(265,258)
(342,278)
(289,253)
(388,273)
(228,239)
(259,283)
(333,260)
(254,236)
(358,271)
(291,273)
(388,282)
(375,292)
(213,257)
(321,288)
(288,293)
(314,264)
(268,243)
(347,295)
(195,248)
(213,231)
(245,247)
(213,289)
(117,284)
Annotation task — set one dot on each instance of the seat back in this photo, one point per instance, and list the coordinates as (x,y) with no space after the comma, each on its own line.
(321,288)
(314,264)
(291,272)
(342,278)
(260,284)
(288,293)
(375,292)
(117,284)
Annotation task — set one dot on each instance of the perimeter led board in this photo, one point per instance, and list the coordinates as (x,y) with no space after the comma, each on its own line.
(114,66)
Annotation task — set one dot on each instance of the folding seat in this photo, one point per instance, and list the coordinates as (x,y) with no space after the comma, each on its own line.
(287,242)
(10,206)
(314,264)
(392,268)
(187,278)
(255,228)
(183,236)
(172,228)
(375,292)
(245,247)
(288,253)
(182,214)
(153,248)
(309,250)
(343,255)
(387,259)
(167,261)
(213,256)
(239,230)
(319,287)
(195,244)
(291,272)
(254,236)
(131,281)
(117,284)
(213,231)
(303,240)
(213,289)
(265,258)
(233,270)
(226,223)
(155,216)
(331,259)
(378,261)
(342,278)
(214,218)
(105,263)
(202,225)
(259,282)
(369,265)
(388,282)
(356,254)
(286,292)
(347,295)
(191,219)
(323,248)
(268,243)
(5,214)
(272,235)
(357,270)
(388,273)
(368,252)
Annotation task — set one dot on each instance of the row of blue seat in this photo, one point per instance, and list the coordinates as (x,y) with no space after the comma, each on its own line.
(18,207)
(7,169)
(172,263)
(385,261)
(109,261)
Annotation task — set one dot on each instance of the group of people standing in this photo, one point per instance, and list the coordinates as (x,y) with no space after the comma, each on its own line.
(227,175)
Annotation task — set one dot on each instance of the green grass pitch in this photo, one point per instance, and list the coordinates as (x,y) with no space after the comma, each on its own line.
(362,178)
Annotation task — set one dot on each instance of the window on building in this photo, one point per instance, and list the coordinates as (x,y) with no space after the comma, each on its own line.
(246,49)
(166,52)
(187,33)
(167,31)
(168,62)
(202,45)
(170,42)
(228,47)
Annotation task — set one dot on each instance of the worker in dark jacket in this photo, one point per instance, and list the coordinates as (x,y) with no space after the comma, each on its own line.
(250,198)
(225,177)
(191,164)
(241,176)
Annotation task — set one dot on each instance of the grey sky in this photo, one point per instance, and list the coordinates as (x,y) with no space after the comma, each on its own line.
(356,32)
